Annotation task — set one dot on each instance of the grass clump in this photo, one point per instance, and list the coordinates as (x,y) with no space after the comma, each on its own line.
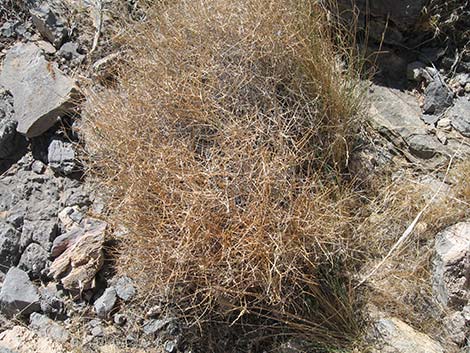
(223,147)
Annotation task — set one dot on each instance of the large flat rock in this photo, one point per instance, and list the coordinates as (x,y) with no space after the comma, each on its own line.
(41,92)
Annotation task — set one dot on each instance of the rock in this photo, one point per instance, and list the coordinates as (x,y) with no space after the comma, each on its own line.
(77,266)
(45,327)
(22,340)
(153,326)
(41,92)
(76,196)
(423,146)
(457,328)
(38,167)
(171,346)
(64,241)
(460,117)
(10,141)
(451,273)
(9,246)
(41,232)
(69,217)
(61,156)
(441,136)
(18,294)
(47,47)
(394,336)
(50,301)
(414,71)
(104,304)
(34,260)
(69,51)
(154,311)
(444,124)
(125,289)
(8,30)
(120,319)
(49,24)
(97,331)
(397,115)
(437,98)
(399,15)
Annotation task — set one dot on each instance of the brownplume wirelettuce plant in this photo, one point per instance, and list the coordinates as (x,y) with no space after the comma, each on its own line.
(222,148)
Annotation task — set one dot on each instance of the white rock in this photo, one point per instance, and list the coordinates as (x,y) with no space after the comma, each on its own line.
(394,336)
(22,340)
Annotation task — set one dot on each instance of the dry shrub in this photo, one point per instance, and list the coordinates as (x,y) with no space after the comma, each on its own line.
(403,285)
(222,149)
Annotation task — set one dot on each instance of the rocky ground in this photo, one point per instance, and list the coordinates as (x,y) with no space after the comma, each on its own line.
(58,288)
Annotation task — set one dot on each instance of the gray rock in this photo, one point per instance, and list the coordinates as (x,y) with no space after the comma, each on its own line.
(69,51)
(459,116)
(104,304)
(41,92)
(45,327)
(386,21)
(430,119)
(76,196)
(41,232)
(125,289)
(397,115)
(403,13)
(171,346)
(8,29)
(451,272)
(47,47)
(120,319)
(71,216)
(97,331)
(61,156)
(457,328)
(38,167)
(18,294)
(394,336)
(414,71)
(10,140)
(423,146)
(9,246)
(152,327)
(50,301)
(437,98)
(49,24)
(34,260)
